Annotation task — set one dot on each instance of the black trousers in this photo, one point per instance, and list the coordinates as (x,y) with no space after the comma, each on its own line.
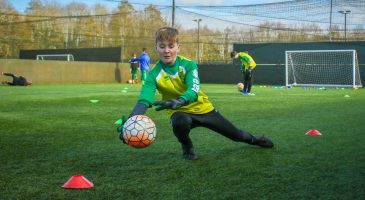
(182,123)
(247,80)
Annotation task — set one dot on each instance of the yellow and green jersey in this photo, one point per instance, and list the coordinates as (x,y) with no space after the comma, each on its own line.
(246,59)
(179,80)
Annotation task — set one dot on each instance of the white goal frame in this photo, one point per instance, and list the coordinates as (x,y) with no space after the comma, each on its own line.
(296,74)
(68,57)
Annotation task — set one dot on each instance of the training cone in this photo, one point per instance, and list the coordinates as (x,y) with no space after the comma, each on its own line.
(313,132)
(78,181)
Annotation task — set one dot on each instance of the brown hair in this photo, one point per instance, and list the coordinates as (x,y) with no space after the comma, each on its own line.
(167,34)
(233,53)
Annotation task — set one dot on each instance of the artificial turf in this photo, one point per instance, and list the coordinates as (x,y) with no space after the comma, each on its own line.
(50,132)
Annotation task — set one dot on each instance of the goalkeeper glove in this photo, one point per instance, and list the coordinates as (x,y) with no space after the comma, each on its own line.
(121,121)
(170,104)
(139,109)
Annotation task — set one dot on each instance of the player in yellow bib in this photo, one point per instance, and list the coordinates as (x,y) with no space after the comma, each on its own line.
(248,65)
(177,80)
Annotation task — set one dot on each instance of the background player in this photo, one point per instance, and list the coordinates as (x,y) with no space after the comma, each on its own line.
(17,80)
(144,61)
(134,70)
(248,64)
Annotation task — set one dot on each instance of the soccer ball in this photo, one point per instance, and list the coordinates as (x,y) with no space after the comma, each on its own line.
(139,131)
(240,86)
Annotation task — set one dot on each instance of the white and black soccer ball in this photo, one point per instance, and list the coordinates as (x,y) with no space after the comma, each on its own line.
(139,131)
(240,86)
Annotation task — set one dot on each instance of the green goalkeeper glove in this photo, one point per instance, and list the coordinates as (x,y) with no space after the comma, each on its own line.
(170,104)
(121,123)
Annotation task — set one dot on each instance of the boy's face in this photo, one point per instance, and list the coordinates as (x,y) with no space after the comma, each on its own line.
(168,51)
(235,55)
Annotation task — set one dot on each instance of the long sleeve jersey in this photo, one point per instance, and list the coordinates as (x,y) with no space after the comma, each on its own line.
(144,61)
(246,60)
(179,80)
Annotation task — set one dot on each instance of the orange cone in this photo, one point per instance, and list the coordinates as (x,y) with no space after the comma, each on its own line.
(313,132)
(78,181)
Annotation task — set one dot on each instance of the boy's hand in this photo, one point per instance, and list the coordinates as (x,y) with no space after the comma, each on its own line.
(121,123)
(169,104)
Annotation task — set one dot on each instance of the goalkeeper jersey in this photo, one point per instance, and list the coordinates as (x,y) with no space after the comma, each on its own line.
(179,80)
(246,59)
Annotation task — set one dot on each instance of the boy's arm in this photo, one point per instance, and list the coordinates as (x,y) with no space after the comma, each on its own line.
(144,102)
(147,95)
(248,60)
(192,83)
(139,59)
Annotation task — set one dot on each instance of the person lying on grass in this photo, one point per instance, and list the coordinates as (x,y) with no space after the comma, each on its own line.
(17,80)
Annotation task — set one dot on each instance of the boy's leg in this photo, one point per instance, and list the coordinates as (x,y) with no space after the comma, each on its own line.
(134,76)
(143,76)
(8,74)
(249,82)
(216,122)
(15,78)
(7,83)
(181,125)
(246,81)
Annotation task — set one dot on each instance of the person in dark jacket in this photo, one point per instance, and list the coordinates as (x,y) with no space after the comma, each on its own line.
(17,80)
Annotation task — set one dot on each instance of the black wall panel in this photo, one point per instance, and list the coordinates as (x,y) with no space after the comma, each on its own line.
(110,54)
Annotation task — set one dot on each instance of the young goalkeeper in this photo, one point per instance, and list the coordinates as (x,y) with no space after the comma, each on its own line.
(177,80)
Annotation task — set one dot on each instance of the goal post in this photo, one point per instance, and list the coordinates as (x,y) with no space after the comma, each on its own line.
(332,68)
(65,57)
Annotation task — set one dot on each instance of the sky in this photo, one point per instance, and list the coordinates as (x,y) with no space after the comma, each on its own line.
(226,17)
(21,5)
(186,21)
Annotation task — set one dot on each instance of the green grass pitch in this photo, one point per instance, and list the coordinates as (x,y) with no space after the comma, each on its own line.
(50,132)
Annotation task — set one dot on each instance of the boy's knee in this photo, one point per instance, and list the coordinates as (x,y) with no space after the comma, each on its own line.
(180,120)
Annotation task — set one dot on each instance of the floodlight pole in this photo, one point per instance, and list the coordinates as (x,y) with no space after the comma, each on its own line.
(198,21)
(173,13)
(345,12)
(121,30)
(331,23)
(94,36)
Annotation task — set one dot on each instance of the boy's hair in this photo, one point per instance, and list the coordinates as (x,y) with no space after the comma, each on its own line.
(167,34)
(233,53)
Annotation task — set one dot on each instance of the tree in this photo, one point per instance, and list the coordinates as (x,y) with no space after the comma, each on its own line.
(120,25)
(358,33)
(149,21)
(78,26)
(10,36)
(101,27)
(41,26)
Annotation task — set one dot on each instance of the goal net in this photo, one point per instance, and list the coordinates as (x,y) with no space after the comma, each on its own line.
(336,68)
(65,57)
